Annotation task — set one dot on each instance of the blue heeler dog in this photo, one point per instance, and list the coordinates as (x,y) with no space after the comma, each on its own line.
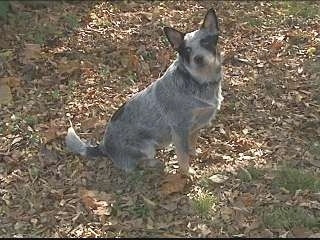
(171,110)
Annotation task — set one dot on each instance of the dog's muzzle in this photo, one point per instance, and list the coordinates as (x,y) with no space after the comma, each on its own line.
(199,60)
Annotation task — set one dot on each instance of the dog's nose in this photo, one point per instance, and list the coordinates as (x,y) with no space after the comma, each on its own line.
(199,60)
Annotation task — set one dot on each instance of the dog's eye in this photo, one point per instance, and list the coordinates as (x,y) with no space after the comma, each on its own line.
(207,42)
(188,49)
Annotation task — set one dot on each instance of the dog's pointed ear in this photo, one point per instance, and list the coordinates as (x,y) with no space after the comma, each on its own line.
(210,21)
(174,36)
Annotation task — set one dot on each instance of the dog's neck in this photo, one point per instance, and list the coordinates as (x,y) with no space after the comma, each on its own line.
(189,77)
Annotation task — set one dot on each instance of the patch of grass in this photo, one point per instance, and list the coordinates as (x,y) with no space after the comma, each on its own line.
(204,183)
(34,172)
(204,204)
(42,33)
(31,120)
(149,55)
(20,19)
(132,78)
(164,39)
(256,173)
(136,178)
(315,148)
(104,71)
(293,179)
(254,21)
(4,9)
(15,128)
(55,95)
(245,175)
(250,174)
(289,217)
(303,9)
(313,67)
(71,20)
(258,21)
(33,138)
(139,211)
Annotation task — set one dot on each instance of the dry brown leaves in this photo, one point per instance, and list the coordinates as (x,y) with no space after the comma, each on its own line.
(100,203)
(7,84)
(31,52)
(269,115)
(173,183)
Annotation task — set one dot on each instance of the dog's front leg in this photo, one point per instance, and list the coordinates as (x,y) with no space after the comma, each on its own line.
(193,142)
(182,144)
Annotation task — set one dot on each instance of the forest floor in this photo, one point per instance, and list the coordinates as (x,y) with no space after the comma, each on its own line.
(257,167)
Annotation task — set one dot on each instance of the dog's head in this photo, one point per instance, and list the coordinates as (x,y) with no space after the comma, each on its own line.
(198,50)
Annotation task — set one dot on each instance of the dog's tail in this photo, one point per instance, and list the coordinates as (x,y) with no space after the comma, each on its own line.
(76,145)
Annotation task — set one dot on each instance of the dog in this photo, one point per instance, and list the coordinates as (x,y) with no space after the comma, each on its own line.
(172,109)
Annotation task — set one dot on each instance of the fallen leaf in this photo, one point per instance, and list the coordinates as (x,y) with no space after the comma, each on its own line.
(31,52)
(68,66)
(50,134)
(93,122)
(16,140)
(133,62)
(301,232)
(148,202)
(246,173)
(248,199)
(54,129)
(284,234)
(166,225)
(102,210)
(245,131)
(315,163)
(205,231)
(6,54)
(170,206)
(226,213)
(133,224)
(88,201)
(5,94)
(315,235)
(266,233)
(218,178)
(311,51)
(173,183)
(47,156)
(150,223)
(276,45)
(12,82)
(100,203)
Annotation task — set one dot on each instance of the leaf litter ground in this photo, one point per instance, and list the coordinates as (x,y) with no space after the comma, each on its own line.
(81,61)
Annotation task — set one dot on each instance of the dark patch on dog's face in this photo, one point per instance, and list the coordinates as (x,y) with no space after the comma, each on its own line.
(210,43)
(185,52)
(118,113)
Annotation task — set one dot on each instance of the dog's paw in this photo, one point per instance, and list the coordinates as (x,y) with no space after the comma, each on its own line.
(193,152)
(189,173)
(151,163)
(154,163)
